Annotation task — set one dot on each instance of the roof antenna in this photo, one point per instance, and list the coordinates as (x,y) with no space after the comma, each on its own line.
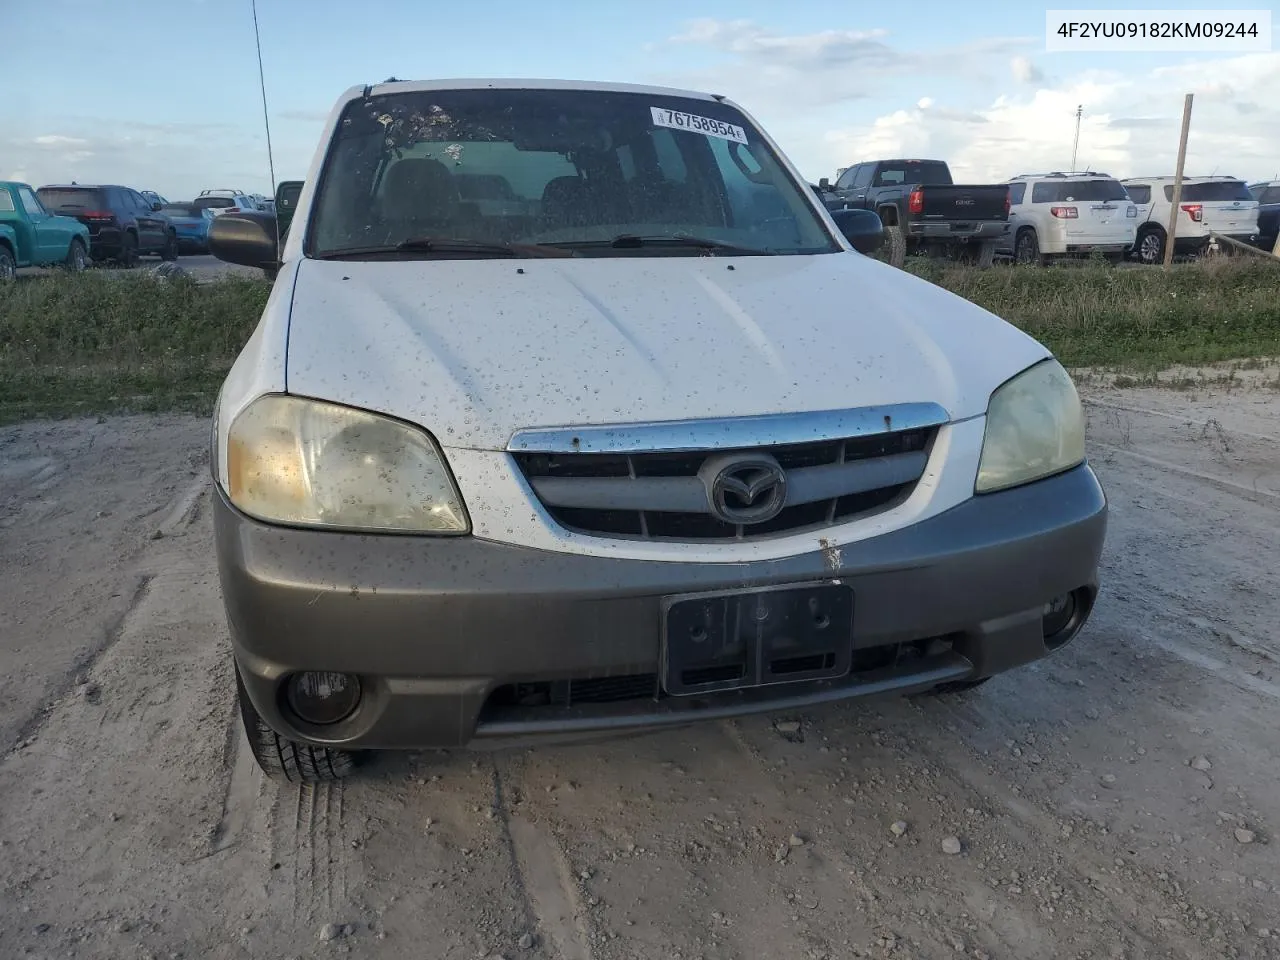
(262,82)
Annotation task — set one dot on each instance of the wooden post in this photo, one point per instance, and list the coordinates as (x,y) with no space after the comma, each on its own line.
(1177,182)
(1275,251)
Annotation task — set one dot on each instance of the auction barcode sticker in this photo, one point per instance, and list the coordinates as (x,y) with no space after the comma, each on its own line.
(689,121)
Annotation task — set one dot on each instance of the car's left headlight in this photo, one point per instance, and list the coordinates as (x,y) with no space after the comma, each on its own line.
(1035,428)
(308,463)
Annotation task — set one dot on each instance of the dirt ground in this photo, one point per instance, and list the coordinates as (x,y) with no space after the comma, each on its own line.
(1118,800)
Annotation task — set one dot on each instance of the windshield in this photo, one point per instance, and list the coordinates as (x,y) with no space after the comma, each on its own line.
(1214,190)
(578,168)
(70,198)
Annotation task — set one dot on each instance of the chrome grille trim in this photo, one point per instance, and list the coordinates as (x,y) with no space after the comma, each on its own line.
(729,433)
(688,494)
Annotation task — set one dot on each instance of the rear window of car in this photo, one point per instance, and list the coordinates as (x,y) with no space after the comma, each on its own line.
(71,198)
(1086,191)
(214,203)
(1213,191)
(931,171)
(180,210)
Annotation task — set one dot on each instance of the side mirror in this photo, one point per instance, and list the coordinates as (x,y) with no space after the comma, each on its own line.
(156,206)
(824,184)
(247,239)
(862,228)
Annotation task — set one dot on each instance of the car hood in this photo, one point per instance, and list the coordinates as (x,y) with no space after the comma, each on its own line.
(474,350)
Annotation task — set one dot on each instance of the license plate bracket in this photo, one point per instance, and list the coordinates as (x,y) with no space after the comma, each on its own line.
(730,640)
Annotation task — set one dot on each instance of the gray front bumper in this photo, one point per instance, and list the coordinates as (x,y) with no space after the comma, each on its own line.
(433,626)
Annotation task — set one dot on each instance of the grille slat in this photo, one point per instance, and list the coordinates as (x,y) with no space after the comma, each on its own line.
(660,496)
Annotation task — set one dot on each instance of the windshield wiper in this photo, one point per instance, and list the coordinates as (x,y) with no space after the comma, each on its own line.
(633,241)
(449,245)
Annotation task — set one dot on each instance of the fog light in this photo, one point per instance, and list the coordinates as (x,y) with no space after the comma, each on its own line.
(1058,614)
(322,698)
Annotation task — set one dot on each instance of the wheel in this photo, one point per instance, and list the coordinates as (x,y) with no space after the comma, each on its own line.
(1026,248)
(8,266)
(170,251)
(77,258)
(896,245)
(285,759)
(1150,246)
(128,256)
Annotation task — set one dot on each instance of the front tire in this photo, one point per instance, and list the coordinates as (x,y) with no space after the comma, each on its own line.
(283,759)
(77,258)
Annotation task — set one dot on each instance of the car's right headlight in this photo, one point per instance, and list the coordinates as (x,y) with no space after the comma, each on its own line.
(309,463)
(1034,429)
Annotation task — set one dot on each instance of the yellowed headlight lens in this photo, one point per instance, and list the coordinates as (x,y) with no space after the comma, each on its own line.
(298,461)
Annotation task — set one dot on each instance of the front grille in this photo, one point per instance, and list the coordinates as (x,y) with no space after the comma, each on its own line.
(660,496)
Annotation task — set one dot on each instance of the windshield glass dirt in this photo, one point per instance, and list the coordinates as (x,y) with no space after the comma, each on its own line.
(572,167)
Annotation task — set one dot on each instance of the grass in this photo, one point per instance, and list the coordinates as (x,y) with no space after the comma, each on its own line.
(94,343)
(90,343)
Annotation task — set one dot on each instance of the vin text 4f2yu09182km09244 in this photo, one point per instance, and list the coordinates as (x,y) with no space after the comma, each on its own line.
(573,410)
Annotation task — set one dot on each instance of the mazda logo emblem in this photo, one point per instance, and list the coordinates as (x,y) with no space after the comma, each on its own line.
(744,488)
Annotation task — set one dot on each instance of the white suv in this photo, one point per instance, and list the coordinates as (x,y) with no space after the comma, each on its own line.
(226,201)
(650,441)
(1209,205)
(1069,215)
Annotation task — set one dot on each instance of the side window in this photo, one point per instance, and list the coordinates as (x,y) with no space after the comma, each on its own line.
(30,203)
(863,178)
(1168,193)
(6,202)
(847,178)
(1017,191)
(1271,195)
(140,202)
(1138,192)
(1044,192)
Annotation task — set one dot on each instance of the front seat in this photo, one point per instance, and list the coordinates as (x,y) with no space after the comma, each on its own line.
(569,202)
(419,195)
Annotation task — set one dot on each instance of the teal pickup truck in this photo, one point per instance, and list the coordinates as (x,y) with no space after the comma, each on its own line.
(31,236)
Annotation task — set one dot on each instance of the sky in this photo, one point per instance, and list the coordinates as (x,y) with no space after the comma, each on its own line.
(164,94)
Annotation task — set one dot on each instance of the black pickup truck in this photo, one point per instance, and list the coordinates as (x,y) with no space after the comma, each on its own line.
(922,208)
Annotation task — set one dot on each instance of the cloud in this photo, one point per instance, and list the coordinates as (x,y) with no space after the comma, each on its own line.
(999,112)
(1130,126)
(778,71)
(57,140)
(1024,71)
